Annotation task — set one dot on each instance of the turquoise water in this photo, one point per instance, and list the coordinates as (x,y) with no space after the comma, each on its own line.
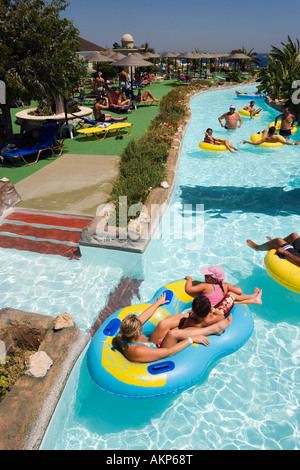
(248,400)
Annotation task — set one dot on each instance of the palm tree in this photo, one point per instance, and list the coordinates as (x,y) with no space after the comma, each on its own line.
(147,48)
(282,69)
(253,59)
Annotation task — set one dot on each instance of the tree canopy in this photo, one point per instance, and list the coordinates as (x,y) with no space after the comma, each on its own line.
(38,50)
(281,70)
(253,59)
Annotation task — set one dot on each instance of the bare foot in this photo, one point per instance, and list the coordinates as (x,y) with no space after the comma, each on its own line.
(256,290)
(222,325)
(257,299)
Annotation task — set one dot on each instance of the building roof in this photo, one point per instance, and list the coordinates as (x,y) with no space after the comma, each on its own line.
(127,37)
(87,46)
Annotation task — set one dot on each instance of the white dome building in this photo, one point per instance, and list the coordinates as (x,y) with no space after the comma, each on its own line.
(127,41)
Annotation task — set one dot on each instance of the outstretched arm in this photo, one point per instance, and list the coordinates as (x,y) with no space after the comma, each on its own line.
(290,143)
(144,316)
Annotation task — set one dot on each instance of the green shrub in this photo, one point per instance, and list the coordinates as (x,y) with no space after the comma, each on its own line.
(13,368)
(235,76)
(4,381)
(142,167)
(42,109)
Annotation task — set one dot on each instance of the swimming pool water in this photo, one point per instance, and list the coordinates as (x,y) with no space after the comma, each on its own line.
(248,400)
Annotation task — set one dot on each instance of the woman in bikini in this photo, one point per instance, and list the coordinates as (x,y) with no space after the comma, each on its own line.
(147,95)
(137,348)
(122,100)
(211,140)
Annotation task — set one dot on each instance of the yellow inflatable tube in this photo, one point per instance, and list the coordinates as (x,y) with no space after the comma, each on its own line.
(258,135)
(243,112)
(214,147)
(278,125)
(283,271)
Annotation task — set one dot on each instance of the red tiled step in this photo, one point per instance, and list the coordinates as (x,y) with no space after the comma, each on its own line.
(43,247)
(46,219)
(20,229)
(39,232)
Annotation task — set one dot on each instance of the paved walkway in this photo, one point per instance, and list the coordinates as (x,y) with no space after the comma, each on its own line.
(72,184)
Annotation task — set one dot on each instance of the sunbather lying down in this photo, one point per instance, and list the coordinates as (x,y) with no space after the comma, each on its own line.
(147,95)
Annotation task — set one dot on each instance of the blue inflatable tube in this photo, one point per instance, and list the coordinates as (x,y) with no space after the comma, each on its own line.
(250,95)
(112,372)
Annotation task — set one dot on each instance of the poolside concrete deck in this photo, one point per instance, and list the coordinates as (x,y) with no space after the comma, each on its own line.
(72,184)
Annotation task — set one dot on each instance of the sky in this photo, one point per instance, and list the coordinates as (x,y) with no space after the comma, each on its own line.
(179,26)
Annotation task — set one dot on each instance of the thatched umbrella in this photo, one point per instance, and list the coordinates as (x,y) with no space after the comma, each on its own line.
(186,55)
(201,56)
(169,55)
(116,56)
(132,60)
(97,57)
(151,55)
(237,57)
(216,55)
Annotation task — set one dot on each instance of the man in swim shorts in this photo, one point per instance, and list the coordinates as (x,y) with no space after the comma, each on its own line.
(287,122)
(289,247)
(231,119)
(268,136)
(177,327)
(99,115)
(251,109)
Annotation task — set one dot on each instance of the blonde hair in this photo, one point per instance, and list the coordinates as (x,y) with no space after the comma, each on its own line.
(129,328)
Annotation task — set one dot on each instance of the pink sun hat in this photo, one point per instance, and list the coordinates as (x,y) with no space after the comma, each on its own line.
(215,271)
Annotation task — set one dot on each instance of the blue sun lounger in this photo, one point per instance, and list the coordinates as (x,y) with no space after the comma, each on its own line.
(47,141)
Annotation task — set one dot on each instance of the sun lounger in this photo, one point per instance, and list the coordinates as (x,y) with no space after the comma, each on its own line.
(113,101)
(47,141)
(91,122)
(148,102)
(100,132)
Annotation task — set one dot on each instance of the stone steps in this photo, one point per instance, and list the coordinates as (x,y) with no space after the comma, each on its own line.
(43,232)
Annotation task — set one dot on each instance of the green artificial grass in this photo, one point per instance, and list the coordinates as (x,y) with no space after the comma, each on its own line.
(19,171)
(140,118)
